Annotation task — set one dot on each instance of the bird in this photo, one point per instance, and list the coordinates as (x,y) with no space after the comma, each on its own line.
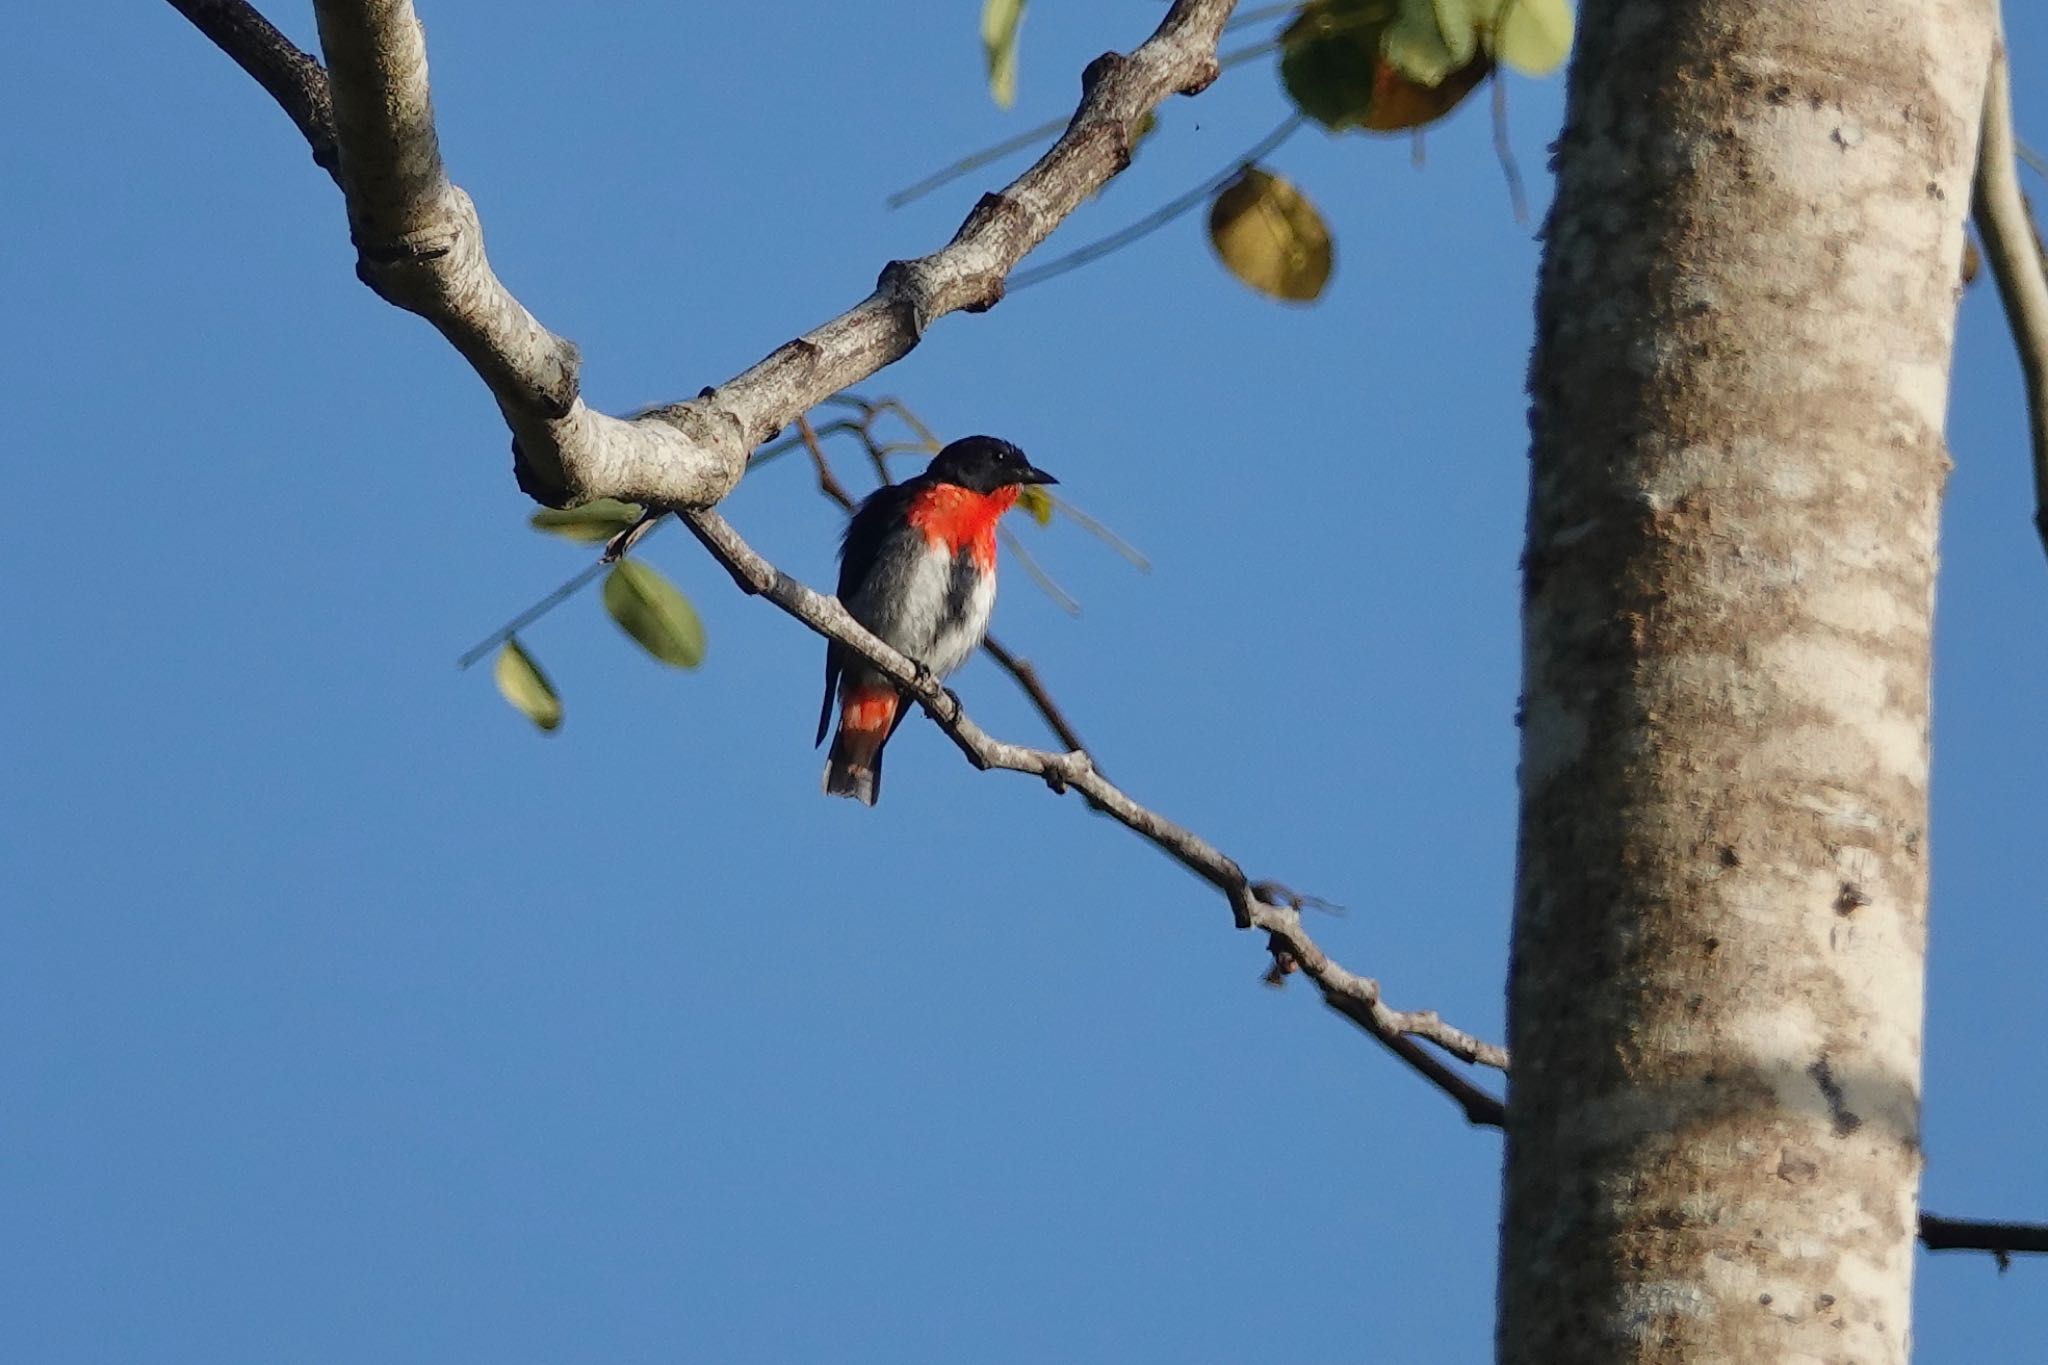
(917,567)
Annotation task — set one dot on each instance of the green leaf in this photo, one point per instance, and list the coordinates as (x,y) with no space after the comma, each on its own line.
(1533,36)
(648,608)
(1036,502)
(1270,236)
(526,687)
(1000,20)
(591,523)
(1330,55)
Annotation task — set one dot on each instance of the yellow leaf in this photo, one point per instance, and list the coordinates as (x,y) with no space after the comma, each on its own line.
(526,687)
(1036,502)
(1000,20)
(1425,43)
(1533,36)
(1270,236)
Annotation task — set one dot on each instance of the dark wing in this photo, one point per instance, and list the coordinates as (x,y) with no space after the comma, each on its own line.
(866,531)
(831,691)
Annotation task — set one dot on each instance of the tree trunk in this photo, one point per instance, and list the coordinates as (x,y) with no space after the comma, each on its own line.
(1742,361)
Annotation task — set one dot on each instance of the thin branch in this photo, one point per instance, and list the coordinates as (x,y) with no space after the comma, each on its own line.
(1017,142)
(2013,249)
(1159,217)
(419,245)
(1129,553)
(2002,1240)
(531,614)
(291,77)
(1354,996)
(2033,160)
(1026,677)
(973,161)
(828,482)
(1036,572)
(1246,18)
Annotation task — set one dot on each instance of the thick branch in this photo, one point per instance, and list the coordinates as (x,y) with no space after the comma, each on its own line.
(1257,906)
(420,246)
(2014,250)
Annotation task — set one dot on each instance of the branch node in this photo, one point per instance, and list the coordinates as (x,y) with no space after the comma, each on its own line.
(1103,68)
(1204,77)
(530,482)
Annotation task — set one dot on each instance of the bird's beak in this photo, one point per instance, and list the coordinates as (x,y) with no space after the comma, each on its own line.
(1033,474)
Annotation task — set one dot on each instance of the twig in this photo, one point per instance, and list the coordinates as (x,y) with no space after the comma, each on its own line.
(1036,572)
(973,161)
(2033,160)
(2002,1240)
(419,245)
(1246,18)
(1504,152)
(2014,251)
(1159,217)
(1026,677)
(1355,997)
(828,482)
(1017,142)
(531,614)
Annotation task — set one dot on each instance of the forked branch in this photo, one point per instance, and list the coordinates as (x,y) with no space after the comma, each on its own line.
(419,244)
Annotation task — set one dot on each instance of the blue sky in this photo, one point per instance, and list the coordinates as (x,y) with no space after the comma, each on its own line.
(350,1019)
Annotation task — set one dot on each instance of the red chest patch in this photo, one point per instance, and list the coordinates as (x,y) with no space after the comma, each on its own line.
(961,519)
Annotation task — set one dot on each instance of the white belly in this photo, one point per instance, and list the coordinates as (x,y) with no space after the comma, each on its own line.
(932,610)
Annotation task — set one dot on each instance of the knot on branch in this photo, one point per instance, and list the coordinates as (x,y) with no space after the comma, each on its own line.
(545,491)
(1285,964)
(1204,75)
(903,282)
(1103,68)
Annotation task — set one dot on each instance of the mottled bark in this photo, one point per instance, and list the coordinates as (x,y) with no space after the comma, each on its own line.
(1743,348)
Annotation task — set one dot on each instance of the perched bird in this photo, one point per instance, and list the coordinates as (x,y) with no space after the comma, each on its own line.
(918,568)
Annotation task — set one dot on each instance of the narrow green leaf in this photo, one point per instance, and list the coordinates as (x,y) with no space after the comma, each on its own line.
(650,609)
(1271,237)
(526,687)
(1000,20)
(1533,36)
(591,523)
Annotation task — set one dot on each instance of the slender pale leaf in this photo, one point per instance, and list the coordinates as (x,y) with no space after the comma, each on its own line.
(591,523)
(1270,236)
(650,609)
(1000,20)
(526,687)
(1533,36)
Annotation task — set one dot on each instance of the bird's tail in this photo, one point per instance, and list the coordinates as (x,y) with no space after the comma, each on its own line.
(867,717)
